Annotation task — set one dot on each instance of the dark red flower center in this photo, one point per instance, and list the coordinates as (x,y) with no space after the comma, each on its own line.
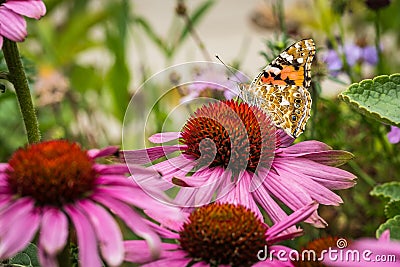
(309,256)
(233,135)
(52,173)
(223,234)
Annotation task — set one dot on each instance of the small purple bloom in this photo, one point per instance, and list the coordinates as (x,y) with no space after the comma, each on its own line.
(394,135)
(353,53)
(214,79)
(333,62)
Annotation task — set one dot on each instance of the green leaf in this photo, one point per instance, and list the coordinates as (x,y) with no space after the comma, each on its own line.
(195,17)
(393,225)
(27,257)
(151,33)
(388,190)
(378,98)
(392,209)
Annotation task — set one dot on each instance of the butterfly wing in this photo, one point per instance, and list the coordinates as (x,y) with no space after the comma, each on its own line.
(281,88)
(291,67)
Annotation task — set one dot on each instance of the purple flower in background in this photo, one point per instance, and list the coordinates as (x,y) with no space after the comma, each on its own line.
(48,188)
(333,62)
(12,23)
(394,135)
(354,54)
(220,234)
(212,81)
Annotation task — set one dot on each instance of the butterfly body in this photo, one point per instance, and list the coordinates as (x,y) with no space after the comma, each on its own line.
(281,89)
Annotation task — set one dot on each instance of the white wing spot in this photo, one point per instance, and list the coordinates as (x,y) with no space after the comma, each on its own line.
(285,102)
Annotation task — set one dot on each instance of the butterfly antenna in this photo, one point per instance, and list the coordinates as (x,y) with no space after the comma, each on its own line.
(230,70)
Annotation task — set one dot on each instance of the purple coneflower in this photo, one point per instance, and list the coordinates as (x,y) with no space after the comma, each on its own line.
(12,24)
(368,252)
(221,234)
(48,186)
(231,152)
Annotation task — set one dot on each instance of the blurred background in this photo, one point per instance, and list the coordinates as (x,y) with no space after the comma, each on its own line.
(86,59)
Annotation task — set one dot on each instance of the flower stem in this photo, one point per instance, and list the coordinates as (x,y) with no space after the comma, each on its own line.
(378,41)
(18,78)
(64,258)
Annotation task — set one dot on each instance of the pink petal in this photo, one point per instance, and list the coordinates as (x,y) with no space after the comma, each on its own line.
(316,151)
(318,192)
(137,251)
(275,262)
(385,236)
(240,194)
(108,233)
(166,220)
(3,166)
(119,169)
(147,155)
(296,217)
(377,247)
(53,231)
(305,147)
(292,195)
(330,177)
(284,140)
(136,197)
(164,137)
(99,153)
(19,223)
(13,25)
(203,194)
(30,8)
(132,220)
(175,167)
(5,200)
(87,243)
(47,260)
(176,261)
(274,211)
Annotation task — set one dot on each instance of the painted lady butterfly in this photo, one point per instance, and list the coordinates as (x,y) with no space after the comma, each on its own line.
(281,88)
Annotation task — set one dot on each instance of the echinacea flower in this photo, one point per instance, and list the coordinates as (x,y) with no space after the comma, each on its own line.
(231,152)
(46,187)
(394,135)
(12,24)
(368,252)
(220,234)
(314,251)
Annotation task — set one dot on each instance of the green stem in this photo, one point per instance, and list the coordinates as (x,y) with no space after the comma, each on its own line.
(346,67)
(361,173)
(64,258)
(280,14)
(378,41)
(18,79)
